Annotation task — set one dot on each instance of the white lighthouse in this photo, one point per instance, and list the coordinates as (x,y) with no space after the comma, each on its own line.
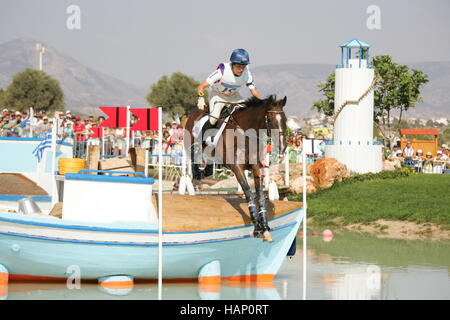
(353,142)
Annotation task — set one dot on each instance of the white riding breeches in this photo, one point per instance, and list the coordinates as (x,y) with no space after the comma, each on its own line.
(217,102)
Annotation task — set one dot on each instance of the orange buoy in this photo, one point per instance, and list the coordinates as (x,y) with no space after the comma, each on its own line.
(327,235)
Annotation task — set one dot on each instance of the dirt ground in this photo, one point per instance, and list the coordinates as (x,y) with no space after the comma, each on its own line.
(405,230)
(17,184)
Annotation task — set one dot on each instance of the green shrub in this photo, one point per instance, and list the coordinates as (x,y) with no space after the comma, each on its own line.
(383,175)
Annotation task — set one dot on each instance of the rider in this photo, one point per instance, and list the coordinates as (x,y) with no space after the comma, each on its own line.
(225,83)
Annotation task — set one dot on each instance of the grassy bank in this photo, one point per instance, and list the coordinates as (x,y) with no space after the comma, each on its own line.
(397,196)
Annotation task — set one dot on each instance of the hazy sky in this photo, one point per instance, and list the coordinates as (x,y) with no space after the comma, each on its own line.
(139,41)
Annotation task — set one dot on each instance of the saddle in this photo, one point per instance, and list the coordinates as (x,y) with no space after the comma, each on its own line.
(222,121)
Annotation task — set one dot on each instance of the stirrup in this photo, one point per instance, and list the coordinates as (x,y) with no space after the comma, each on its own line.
(206,127)
(209,140)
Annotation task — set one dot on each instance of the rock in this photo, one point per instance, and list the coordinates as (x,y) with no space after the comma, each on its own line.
(204,186)
(278,179)
(388,165)
(230,183)
(295,171)
(395,162)
(327,171)
(297,185)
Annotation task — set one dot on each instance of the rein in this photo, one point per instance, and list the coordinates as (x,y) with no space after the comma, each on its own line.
(233,122)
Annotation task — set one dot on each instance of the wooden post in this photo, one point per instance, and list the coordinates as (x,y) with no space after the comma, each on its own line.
(140,159)
(93,157)
(436,147)
(133,156)
(137,156)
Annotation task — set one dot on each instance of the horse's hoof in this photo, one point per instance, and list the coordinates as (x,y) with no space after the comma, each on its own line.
(258,234)
(267,236)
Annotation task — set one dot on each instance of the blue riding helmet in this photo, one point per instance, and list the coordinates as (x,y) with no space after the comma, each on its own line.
(240,56)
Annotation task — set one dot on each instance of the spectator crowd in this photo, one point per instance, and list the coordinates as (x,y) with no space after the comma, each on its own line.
(80,132)
(425,163)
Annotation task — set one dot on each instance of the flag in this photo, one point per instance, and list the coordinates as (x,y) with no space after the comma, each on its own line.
(147,119)
(117,117)
(44,144)
(97,132)
(25,123)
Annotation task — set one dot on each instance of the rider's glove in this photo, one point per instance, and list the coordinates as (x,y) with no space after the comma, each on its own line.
(201,103)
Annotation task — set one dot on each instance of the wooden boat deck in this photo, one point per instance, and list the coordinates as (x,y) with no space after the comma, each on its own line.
(17,184)
(194,213)
(191,213)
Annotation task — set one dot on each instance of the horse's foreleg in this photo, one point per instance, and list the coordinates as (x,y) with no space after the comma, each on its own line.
(197,175)
(249,196)
(261,227)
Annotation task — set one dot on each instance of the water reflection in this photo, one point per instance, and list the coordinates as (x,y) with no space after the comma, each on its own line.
(171,291)
(349,266)
(356,266)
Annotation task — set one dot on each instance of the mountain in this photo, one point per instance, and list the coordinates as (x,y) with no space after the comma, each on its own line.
(84,89)
(435,93)
(296,81)
(299,83)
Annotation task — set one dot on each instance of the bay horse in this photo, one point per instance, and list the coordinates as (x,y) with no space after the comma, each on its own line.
(255,119)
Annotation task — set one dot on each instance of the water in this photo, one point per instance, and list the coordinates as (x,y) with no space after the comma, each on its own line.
(355,266)
(351,266)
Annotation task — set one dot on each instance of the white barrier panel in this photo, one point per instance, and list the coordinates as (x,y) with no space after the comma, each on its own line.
(108,198)
(312,146)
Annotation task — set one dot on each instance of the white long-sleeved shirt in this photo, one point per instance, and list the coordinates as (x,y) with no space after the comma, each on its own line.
(224,82)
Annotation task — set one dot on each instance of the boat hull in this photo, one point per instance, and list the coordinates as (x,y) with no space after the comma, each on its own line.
(46,248)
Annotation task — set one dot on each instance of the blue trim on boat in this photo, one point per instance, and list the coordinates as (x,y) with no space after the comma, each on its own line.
(119,179)
(21,139)
(135,244)
(60,225)
(14,197)
(33,139)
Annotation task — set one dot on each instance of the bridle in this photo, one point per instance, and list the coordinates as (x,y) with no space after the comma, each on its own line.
(268,120)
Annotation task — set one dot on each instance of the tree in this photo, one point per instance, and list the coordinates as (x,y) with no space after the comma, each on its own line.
(326,106)
(176,94)
(397,89)
(444,137)
(2,97)
(34,88)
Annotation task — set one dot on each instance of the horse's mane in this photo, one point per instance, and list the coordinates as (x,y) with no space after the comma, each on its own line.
(254,102)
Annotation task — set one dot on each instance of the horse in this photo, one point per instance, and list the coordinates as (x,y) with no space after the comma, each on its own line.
(253,120)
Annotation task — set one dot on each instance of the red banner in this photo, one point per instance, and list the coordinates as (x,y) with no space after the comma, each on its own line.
(117,117)
(98,132)
(147,119)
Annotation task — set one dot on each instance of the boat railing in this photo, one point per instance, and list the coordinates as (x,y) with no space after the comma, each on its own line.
(111,172)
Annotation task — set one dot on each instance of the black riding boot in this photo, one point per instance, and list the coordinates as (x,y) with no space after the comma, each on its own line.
(205,128)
